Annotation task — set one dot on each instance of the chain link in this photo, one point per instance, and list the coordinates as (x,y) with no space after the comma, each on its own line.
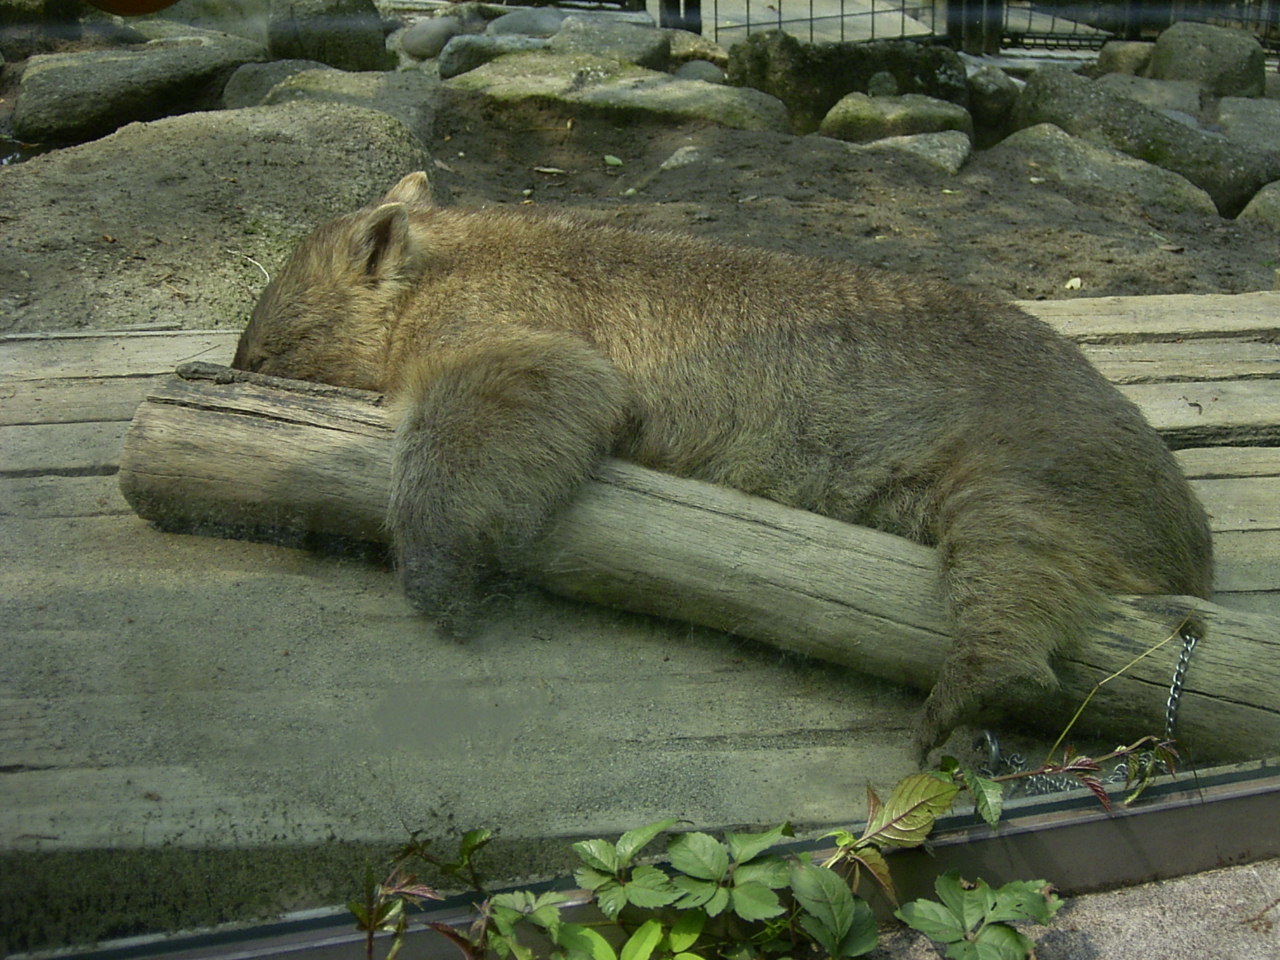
(997,764)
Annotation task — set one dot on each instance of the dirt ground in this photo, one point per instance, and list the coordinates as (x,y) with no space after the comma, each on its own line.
(990,226)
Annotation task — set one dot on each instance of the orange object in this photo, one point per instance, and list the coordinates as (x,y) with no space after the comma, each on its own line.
(131,8)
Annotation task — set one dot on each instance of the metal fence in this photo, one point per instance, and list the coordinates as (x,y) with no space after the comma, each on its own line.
(974,25)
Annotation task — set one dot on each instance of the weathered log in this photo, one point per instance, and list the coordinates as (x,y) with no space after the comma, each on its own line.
(216,449)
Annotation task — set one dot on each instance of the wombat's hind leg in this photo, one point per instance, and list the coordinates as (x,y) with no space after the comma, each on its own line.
(1021,581)
(497,428)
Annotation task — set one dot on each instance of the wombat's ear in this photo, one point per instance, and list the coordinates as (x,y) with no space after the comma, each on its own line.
(413,191)
(382,245)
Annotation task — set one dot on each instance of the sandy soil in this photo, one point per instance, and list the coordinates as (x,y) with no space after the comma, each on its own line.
(989,226)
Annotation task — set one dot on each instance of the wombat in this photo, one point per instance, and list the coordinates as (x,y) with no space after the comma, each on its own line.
(520,348)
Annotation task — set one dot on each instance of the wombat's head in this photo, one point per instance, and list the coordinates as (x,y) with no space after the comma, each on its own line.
(325,316)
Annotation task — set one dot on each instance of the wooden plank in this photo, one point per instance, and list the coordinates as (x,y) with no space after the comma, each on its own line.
(1245,503)
(1163,317)
(1241,412)
(657,544)
(130,355)
(61,449)
(71,400)
(32,497)
(1247,561)
(1213,462)
(1185,361)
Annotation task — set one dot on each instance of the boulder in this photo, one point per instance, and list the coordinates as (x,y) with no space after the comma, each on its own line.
(703,70)
(29,27)
(811,78)
(1264,208)
(409,95)
(1181,96)
(92,242)
(1230,174)
(73,97)
(1047,152)
(1225,62)
(859,118)
(627,42)
(948,151)
(992,94)
(686,46)
(244,18)
(468,51)
(531,22)
(1125,56)
(252,82)
(1251,123)
(622,91)
(426,38)
(346,34)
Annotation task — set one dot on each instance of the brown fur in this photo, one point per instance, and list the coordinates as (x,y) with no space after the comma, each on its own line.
(522,348)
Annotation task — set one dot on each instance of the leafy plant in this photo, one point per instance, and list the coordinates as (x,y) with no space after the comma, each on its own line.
(974,920)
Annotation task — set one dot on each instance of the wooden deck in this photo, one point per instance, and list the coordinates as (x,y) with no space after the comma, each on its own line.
(165,692)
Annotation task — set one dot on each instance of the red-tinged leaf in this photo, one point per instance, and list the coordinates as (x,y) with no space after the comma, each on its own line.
(467,948)
(1099,791)
(874,861)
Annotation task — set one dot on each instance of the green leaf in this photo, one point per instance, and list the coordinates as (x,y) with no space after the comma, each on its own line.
(822,893)
(863,934)
(611,161)
(773,872)
(748,846)
(932,919)
(718,902)
(649,887)
(1001,942)
(584,943)
(970,907)
(699,855)
(908,816)
(873,860)
(599,854)
(633,841)
(472,841)
(685,931)
(695,892)
(589,879)
(755,901)
(641,944)
(611,898)
(1025,900)
(988,796)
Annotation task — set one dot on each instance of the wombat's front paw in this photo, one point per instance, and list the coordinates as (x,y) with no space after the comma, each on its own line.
(446,591)
(965,694)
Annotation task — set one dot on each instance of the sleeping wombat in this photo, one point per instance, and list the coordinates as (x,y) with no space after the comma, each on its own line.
(521,348)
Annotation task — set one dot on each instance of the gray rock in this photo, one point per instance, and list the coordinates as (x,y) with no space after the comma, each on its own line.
(1229,173)
(426,38)
(1125,56)
(29,27)
(1251,123)
(244,18)
(622,91)
(948,150)
(468,51)
(1225,62)
(1048,152)
(253,81)
(859,118)
(811,78)
(882,84)
(410,96)
(1264,207)
(1180,95)
(686,46)
(531,22)
(992,94)
(346,34)
(73,97)
(703,70)
(628,42)
(283,169)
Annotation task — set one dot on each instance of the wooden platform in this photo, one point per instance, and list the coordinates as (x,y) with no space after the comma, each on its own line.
(165,693)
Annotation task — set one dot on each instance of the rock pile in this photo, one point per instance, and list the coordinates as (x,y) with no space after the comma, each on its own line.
(1183,123)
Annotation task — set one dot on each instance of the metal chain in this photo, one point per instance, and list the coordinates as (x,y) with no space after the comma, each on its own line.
(997,764)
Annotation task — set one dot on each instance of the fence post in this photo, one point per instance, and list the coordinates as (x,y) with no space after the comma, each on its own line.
(975,26)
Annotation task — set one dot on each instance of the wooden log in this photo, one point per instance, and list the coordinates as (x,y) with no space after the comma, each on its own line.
(220,449)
